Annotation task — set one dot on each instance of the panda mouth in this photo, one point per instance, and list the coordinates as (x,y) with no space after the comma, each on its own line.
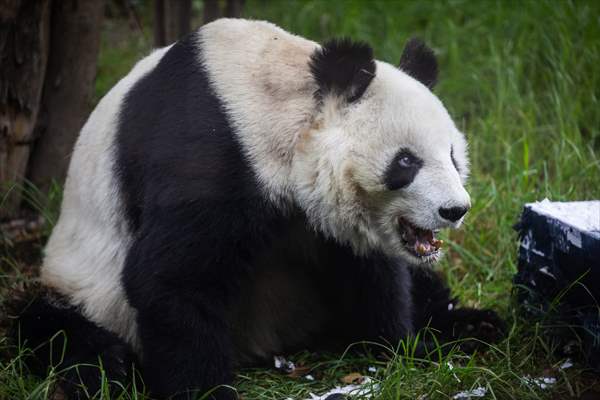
(419,242)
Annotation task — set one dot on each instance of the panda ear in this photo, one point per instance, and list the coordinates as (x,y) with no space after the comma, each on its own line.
(342,67)
(419,61)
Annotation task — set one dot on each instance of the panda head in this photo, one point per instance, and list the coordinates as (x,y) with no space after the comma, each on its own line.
(382,166)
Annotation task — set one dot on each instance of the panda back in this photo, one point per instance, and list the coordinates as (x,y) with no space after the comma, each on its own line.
(85,254)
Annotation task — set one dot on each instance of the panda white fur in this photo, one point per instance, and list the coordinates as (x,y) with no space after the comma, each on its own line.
(246,192)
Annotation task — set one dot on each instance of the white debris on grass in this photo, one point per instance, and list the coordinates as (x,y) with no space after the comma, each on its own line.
(366,389)
(565,365)
(545,271)
(278,361)
(309,377)
(451,368)
(479,391)
(372,369)
(543,382)
(282,364)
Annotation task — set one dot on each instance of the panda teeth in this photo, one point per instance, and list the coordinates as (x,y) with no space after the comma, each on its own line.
(421,242)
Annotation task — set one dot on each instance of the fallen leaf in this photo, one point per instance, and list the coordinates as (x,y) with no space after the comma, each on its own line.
(354,377)
(299,372)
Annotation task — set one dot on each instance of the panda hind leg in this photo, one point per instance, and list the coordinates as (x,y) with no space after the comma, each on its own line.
(472,329)
(60,337)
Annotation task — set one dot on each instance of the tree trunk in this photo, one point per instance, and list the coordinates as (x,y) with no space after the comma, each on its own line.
(233,8)
(68,87)
(24,46)
(211,10)
(179,19)
(159,23)
(172,20)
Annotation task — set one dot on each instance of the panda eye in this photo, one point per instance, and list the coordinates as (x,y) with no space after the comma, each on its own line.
(402,170)
(406,161)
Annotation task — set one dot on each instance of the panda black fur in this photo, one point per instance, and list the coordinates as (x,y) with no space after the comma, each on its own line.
(246,192)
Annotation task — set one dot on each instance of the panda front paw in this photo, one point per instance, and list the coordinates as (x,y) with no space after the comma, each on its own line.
(118,362)
(475,329)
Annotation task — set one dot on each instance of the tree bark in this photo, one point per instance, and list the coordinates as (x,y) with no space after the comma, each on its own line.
(172,20)
(68,87)
(233,8)
(24,46)
(211,11)
(179,21)
(159,24)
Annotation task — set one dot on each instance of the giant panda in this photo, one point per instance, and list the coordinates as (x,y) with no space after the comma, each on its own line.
(246,192)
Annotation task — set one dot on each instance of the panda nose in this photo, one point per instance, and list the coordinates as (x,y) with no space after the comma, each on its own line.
(453,214)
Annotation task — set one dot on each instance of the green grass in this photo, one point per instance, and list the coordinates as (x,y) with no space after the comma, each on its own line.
(521,78)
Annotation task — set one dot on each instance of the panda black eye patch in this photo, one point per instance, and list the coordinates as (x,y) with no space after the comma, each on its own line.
(402,170)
